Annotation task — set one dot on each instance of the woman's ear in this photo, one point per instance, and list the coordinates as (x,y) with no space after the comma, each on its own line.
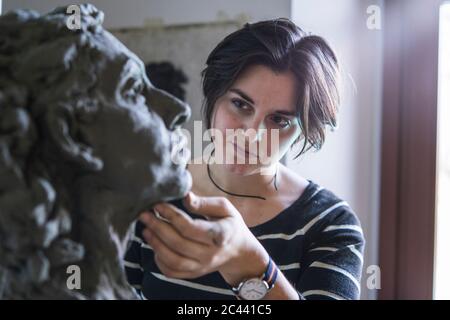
(59,125)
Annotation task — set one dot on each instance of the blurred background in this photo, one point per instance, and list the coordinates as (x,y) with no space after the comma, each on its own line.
(389,158)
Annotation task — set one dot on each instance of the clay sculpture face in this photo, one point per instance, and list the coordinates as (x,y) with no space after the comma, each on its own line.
(85,145)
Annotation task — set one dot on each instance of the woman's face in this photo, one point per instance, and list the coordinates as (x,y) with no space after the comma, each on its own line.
(258,99)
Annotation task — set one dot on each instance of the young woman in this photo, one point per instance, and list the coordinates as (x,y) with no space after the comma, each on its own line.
(240,233)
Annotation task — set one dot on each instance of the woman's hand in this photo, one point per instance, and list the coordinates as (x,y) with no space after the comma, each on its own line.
(189,248)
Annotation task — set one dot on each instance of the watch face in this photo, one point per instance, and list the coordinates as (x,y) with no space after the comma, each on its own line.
(253,289)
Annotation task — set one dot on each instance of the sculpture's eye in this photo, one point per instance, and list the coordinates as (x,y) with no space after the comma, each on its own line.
(133,89)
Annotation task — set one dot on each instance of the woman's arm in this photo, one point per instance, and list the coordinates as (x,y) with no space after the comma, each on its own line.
(331,266)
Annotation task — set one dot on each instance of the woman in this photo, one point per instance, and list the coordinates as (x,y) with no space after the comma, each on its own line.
(241,233)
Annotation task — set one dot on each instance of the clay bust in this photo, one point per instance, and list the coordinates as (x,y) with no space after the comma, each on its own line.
(85,145)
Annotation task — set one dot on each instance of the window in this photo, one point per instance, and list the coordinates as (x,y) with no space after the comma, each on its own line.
(442,254)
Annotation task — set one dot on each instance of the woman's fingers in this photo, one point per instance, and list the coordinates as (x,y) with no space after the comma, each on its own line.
(206,232)
(172,273)
(172,239)
(209,207)
(171,263)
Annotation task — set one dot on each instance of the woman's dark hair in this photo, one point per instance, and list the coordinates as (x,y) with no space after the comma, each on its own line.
(282,46)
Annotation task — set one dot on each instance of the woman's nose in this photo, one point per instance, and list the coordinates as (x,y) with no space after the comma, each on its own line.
(258,130)
(173,111)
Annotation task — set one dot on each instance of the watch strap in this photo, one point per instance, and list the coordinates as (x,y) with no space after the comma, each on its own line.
(269,276)
(271,273)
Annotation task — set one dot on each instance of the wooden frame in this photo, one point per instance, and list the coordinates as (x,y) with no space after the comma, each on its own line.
(408,178)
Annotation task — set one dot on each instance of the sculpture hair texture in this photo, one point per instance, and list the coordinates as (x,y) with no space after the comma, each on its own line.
(36,55)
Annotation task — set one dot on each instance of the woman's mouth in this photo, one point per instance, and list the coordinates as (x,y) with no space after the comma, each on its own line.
(244,151)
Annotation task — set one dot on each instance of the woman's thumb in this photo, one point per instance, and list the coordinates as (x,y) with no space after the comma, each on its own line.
(191,201)
(210,207)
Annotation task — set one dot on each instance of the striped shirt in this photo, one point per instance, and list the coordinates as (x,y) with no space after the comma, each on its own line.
(317,242)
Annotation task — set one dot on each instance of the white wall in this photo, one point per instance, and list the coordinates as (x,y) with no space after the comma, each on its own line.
(349,162)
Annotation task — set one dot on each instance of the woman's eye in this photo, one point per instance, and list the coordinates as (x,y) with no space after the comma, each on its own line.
(239,104)
(281,122)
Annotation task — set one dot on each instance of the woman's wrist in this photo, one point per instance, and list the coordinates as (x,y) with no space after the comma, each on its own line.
(250,263)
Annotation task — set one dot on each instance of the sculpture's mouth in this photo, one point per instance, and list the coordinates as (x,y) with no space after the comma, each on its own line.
(179,154)
(173,181)
(176,186)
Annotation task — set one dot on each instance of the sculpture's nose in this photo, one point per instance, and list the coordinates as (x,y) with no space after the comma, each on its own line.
(173,111)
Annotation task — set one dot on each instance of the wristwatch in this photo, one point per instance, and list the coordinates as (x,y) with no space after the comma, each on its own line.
(256,288)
